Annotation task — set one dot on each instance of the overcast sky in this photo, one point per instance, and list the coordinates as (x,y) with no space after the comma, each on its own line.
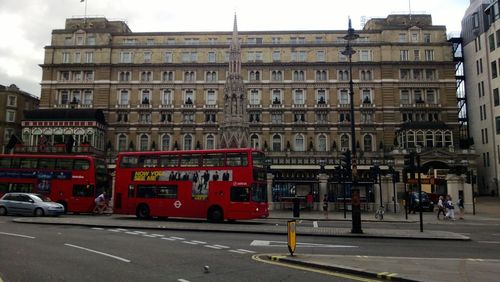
(26,25)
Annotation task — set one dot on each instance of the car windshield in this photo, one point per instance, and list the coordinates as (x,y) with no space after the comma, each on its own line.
(42,198)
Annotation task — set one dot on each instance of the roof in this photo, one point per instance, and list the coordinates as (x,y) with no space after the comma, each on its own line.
(65,115)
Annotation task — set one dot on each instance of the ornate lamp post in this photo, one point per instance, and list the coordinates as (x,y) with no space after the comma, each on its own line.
(356,212)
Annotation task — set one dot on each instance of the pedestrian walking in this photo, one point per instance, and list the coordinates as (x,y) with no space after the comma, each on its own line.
(450,209)
(461,207)
(325,206)
(441,208)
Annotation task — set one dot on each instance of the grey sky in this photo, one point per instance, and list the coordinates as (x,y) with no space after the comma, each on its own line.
(26,25)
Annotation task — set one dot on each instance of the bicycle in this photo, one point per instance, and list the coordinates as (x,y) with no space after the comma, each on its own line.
(379,214)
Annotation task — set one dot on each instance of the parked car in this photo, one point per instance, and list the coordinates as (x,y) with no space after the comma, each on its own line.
(427,204)
(29,204)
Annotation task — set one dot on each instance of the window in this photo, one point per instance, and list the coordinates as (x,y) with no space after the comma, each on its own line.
(254,76)
(126,57)
(123,97)
(64,97)
(189,76)
(169,57)
(344,142)
(366,96)
(276,75)
(188,96)
(87,97)
(188,142)
(344,97)
(430,96)
(320,56)
(403,55)
(416,55)
(496,97)
(124,76)
(77,57)
(491,40)
(276,96)
(321,96)
(417,93)
(298,75)
(165,142)
(65,57)
(298,97)
(146,76)
(276,118)
(494,71)
(276,56)
(10,116)
(427,38)
(144,142)
(12,101)
(88,75)
(366,75)
(210,142)
(211,76)
(166,98)
(189,57)
(429,55)
(254,97)
(497,123)
(404,74)
(122,142)
(430,74)
(211,97)
(343,75)
(147,56)
(89,57)
(276,143)
(254,141)
(144,118)
(298,56)
(211,57)
(321,75)
(367,143)
(414,37)
(404,97)
(165,117)
(145,96)
(276,40)
(402,37)
(254,117)
(299,143)
(365,55)
(168,76)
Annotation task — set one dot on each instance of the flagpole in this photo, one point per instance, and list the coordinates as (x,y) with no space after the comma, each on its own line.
(85,15)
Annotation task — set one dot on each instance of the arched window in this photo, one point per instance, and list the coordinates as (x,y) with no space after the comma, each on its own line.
(165,142)
(439,139)
(299,145)
(122,143)
(448,138)
(344,142)
(420,138)
(188,142)
(429,139)
(210,141)
(144,142)
(276,143)
(367,143)
(321,144)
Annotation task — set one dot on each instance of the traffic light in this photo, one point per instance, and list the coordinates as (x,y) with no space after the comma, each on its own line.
(409,164)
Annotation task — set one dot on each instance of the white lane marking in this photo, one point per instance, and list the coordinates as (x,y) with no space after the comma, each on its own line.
(121,229)
(262,243)
(212,247)
(114,230)
(177,238)
(150,236)
(182,280)
(189,242)
(315,224)
(198,242)
(489,242)
(236,251)
(97,228)
(221,246)
(132,233)
(167,238)
(97,252)
(246,251)
(17,235)
(141,232)
(157,235)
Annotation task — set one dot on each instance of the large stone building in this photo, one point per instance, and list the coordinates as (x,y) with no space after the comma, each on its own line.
(166,91)
(481,48)
(13,104)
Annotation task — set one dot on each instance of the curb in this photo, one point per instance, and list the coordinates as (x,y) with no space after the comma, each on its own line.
(356,271)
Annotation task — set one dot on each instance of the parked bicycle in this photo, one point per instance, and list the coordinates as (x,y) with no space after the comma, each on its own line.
(379,214)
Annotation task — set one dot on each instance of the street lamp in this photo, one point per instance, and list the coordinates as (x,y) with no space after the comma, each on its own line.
(356,211)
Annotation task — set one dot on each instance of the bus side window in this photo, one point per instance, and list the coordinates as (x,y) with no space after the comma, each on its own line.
(236,159)
(81,164)
(64,164)
(129,162)
(46,163)
(28,163)
(131,191)
(83,190)
(210,160)
(146,191)
(239,194)
(5,162)
(169,161)
(167,192)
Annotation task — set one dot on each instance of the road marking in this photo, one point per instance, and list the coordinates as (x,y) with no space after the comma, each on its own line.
(17,235)
(221,246)
(182,280)
(157,235)
(177,238)
(246,251)
(189,242)
(198,242)
(315,224)
(132,233)
(97,252)
(212,247)
(150,236)
(168,239)
(489,242)
(473,259)
(236,251)
(262,243)
(114,230)
(97,228)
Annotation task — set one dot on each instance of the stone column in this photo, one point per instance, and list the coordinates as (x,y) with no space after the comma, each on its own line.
(270,191)
(455,183)
(323,189)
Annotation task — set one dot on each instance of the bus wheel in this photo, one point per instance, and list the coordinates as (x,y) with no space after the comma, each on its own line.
(142,211)
(3,211)
(39,212)
(215,215)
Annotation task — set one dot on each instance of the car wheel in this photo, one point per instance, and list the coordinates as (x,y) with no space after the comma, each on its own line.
(142,211)
(39,212)
(3,211)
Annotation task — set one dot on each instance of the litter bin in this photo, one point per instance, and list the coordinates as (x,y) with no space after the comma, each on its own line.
(296,207)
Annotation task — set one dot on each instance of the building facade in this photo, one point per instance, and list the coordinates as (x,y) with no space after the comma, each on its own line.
(481,49)
(13,104)
(166,91)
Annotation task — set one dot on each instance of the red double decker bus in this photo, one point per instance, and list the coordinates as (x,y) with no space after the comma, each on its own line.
(71,180)
(224,184)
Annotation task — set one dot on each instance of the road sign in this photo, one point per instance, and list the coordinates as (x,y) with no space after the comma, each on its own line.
(292,236)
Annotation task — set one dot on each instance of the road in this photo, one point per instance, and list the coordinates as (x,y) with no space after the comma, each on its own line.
(71,253)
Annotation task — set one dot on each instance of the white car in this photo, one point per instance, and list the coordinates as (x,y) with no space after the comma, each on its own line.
(29,204)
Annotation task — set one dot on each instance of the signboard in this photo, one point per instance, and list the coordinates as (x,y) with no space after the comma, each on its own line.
(292,236)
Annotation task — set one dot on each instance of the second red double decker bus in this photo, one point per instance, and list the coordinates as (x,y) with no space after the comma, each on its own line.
(225,184)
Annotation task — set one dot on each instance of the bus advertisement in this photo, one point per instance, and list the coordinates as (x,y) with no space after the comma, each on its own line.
(222,184)
(71,180)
